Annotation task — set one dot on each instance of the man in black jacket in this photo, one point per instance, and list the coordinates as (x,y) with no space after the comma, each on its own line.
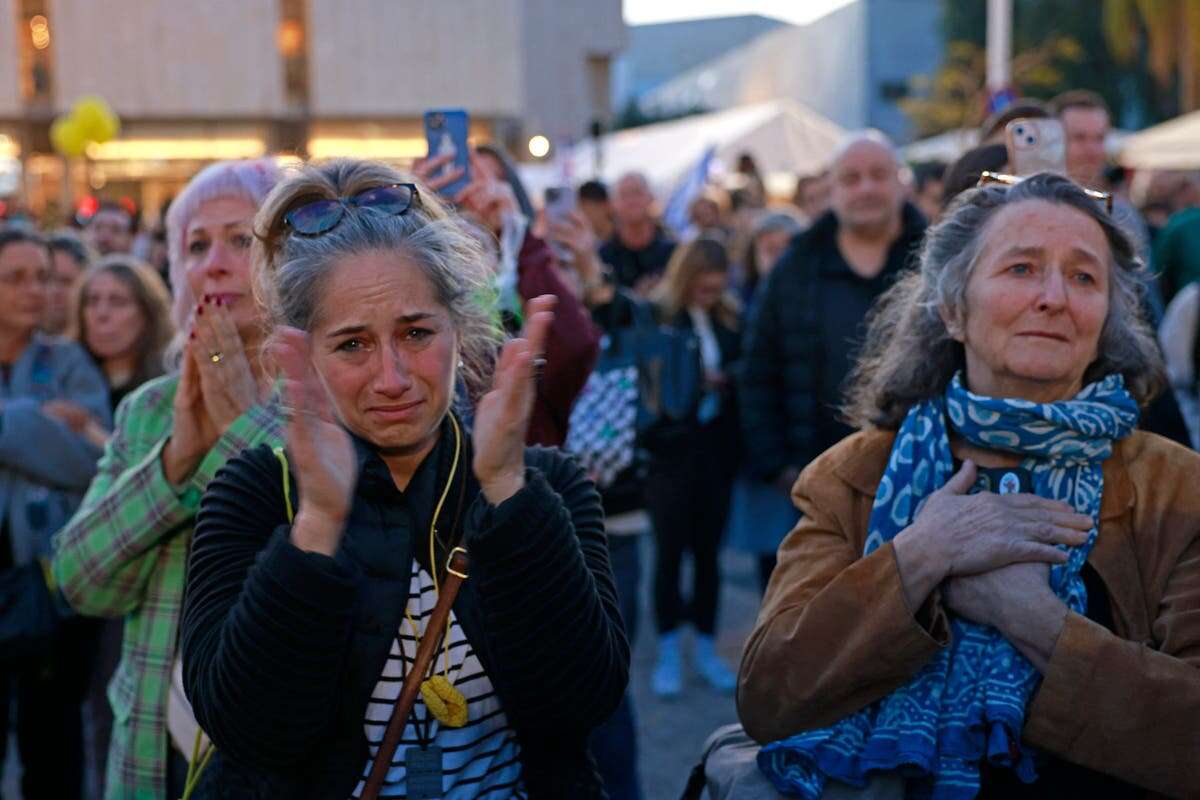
(639,249)
(802,341)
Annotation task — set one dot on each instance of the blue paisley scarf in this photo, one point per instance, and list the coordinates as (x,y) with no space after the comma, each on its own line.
(968,703)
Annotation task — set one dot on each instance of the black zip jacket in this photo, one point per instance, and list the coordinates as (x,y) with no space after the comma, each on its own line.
(282,648)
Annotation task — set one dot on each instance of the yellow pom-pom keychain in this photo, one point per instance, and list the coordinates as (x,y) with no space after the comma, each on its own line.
(446,703)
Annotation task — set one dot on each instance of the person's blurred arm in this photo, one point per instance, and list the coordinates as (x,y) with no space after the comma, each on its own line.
(592,277)
(571,347)
(1177,335)
(44,447)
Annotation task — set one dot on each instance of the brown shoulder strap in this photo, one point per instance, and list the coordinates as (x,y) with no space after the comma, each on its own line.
(456,572)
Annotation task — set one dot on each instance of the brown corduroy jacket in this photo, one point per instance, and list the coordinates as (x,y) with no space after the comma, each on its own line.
(835,632)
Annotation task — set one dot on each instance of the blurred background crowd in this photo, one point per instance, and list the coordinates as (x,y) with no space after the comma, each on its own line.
(711,178)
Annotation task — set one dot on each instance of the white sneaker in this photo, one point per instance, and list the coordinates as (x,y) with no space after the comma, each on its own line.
(712,668)
(667,679)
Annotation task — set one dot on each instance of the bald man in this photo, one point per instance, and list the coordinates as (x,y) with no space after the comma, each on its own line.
(802,341)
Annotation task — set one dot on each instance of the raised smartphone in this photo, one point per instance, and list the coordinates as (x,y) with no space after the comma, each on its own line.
(446,134)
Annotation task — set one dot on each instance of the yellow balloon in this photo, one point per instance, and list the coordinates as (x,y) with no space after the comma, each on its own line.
(108,128)
(95,119)
(67,138)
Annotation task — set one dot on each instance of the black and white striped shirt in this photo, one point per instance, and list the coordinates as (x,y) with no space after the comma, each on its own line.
(479,760)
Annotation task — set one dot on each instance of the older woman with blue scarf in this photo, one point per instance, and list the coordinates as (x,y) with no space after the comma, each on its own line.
(995,587)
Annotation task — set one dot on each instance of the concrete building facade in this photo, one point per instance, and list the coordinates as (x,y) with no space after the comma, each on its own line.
(193,82)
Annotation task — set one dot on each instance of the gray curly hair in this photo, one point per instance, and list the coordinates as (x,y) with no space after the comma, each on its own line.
(289,271)
(909,355)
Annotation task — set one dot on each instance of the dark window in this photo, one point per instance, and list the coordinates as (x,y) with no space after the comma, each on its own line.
(36,50)
(292,40)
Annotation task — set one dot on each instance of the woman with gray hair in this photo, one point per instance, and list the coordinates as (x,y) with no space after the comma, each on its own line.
(318,571)
(124,553)
(770,235)
(993,588)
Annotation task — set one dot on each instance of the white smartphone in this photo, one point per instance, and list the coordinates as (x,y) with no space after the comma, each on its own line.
(1036,145)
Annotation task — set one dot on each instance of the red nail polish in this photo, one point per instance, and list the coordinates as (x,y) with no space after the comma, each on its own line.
(199,311)
(218,302)
(192,335)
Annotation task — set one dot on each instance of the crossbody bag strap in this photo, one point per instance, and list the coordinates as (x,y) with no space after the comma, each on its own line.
(456,573)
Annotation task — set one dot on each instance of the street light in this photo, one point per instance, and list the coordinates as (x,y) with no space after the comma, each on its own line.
(539,146)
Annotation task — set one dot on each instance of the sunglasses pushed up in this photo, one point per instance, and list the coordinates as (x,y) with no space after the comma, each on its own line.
(322,216)
(986,178)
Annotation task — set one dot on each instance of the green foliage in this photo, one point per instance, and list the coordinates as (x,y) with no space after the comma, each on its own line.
(1165,35)
(1057,45)
(957,96)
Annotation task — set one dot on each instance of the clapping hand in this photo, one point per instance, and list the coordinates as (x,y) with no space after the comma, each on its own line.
(502,417)
(226,380)
(216,386)
(78,419)
(489,200)
(322,452)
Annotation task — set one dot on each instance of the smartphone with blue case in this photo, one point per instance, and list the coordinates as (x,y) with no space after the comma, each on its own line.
(446,133)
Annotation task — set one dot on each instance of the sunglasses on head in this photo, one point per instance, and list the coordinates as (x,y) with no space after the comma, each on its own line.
(321,216)
(986,178)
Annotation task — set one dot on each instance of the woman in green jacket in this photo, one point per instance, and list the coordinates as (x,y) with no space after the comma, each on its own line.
(124,553)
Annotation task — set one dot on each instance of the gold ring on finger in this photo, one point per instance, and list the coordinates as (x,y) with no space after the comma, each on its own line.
(215,357)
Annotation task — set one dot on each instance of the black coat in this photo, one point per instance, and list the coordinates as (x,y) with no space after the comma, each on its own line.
(630,266)
(781,365)
(282,648)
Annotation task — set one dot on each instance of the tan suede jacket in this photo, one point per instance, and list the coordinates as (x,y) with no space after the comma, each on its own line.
(835,632)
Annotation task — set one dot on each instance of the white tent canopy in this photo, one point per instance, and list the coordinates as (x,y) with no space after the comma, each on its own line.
(782,135)
(1174,144)
(946,147)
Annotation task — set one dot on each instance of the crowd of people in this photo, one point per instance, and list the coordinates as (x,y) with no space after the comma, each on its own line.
(238,467)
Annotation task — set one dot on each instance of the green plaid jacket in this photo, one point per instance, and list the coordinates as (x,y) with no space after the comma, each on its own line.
(124,554)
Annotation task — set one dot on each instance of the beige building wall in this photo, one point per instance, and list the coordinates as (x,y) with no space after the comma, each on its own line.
(386,59)
(168,58)
(557,39)
(10,84)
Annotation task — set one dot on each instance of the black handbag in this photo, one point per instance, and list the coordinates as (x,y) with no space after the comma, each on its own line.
(29,614)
